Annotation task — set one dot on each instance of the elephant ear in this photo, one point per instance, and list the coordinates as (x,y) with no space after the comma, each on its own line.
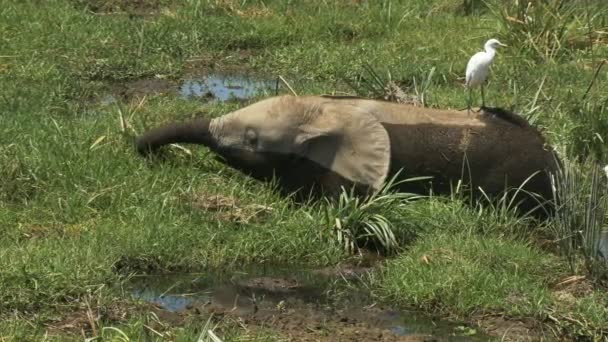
(348,141)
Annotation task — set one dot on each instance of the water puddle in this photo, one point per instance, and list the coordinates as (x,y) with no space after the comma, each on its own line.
(212,87)
(301,305)
(225,87)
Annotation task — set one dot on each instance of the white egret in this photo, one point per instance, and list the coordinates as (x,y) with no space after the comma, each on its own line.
(478,68)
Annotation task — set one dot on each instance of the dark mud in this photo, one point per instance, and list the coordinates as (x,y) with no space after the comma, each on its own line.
(296,305)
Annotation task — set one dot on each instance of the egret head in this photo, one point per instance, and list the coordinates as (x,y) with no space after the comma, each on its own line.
(493,44)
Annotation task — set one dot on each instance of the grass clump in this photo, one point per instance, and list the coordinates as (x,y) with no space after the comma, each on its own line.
(581,194)
(19,179)
(589,130)
(370,222)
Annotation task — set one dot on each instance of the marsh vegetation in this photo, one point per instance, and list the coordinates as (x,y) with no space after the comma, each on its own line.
(81,213)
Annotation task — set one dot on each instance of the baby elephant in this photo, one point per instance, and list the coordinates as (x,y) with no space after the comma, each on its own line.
(317,144)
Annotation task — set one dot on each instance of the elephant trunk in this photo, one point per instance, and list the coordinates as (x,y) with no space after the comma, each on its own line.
(194,132)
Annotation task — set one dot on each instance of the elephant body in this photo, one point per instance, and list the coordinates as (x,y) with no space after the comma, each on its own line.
(318,144)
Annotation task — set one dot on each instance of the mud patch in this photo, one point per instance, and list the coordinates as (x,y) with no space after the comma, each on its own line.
(234,62)
(232,7)
(131,7)
(229,209)
(569,290)
(139,89)
(87,317)
(297,305)
(514,330)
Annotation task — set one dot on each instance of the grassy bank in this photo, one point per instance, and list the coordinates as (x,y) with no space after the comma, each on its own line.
(79,209)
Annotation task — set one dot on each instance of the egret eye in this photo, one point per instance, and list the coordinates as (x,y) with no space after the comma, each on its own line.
(251,138)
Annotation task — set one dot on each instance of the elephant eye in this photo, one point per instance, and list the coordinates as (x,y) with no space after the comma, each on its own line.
(251,138)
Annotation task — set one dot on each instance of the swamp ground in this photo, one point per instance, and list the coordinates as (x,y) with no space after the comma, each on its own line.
(82,216)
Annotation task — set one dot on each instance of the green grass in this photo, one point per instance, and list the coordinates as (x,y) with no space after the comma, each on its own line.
(79,209)
(464,274)
(461,275)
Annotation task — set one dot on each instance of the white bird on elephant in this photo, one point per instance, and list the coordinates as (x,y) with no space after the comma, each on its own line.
(479,67)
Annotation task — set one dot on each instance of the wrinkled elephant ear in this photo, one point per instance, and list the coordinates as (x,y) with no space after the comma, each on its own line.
(348,141)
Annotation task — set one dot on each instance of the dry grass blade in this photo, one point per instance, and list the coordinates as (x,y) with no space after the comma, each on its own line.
(227,208)
(207,334)
(288,86)
(213,336)
(570,280)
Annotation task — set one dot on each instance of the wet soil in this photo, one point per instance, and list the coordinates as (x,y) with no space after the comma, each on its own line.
(143,87)
(295,305)
(315,305)
(234,62)
(515,329)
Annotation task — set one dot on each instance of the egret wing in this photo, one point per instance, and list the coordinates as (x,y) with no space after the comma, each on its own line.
(477,69)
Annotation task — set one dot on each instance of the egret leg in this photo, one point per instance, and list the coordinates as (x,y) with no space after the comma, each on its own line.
(483,100)
(469,102)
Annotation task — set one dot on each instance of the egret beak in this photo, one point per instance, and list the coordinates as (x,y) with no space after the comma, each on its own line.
(503,45)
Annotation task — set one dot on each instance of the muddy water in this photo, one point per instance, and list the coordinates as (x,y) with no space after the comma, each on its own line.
(225,87)
(307,305)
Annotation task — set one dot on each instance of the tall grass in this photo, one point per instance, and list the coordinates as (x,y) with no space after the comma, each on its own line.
(544,27)
(589,123)
(589,131)
(581,195)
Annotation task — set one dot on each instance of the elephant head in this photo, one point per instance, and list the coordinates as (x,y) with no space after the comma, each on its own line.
(309,143)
